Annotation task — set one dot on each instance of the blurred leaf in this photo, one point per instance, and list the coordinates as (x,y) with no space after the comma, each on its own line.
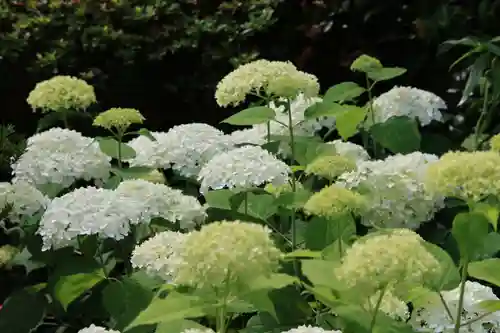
(135,172)
(24,259)
(219,198)
(342,92)
(470,230)
(115,149)
(486,270)
(145,132)
(489,211)
(259,206)
(450,277)
(251,116)
(348,120)
(319,272)
(386,73)
(398,134)
(179,326)
(22,312)
(323,109)
(322,232)
(476,72)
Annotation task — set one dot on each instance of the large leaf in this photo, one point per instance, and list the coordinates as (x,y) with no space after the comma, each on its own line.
(22,312)
(259,206)
(124,300)
(74,277)
(219,198)
(489,211)
(135,172)
(470,231)
(115,149)
(179,326)
(345,91)
(398,134)
(323,109)
(322,232)
(386,73)
(251,116)
(348,120)
(173,308)
(275,281)
(450,277)
(487,270)
(319,272)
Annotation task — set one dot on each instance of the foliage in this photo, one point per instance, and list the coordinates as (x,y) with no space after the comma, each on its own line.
(241,233)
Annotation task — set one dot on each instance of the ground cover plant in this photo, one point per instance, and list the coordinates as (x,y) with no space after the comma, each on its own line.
(313,218)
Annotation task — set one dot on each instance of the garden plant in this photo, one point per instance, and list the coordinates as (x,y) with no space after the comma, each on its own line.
(313,217)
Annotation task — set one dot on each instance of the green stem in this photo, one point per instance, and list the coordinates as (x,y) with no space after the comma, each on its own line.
(377,307)
(446,307)
(65,119)
(463,279)
(245,202)
(119,137)
(478,130)
(268,131)
(370,111)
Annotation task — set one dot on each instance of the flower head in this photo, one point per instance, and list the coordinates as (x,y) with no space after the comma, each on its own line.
(243,168)
(61,93)
(118,118)
(391,305)
(310,329)
(159,255)
(22,199)
(281,189)
(96,329)
(184,148)
(330,166)
(495,143)
(7,253)
(466,175)
(376,261)
(160,200)
(61,156)
(432,316)
(229,253)
(407,101)
(350,150)
(272,78)
(395,190)
(334,200)
(155,176)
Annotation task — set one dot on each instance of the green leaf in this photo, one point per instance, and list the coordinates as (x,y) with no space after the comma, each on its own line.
(398,134)
(348,120)
(490,305)
(323,109)
(109,146)
(322,232)
(490,248)
(345,91)
(124,300)
(384,74)
(112,182)
(486,270)
(251,116)
(302,254)
(450,276)
(335,251)
(25,259)
(259,206)
(22,312)
(48,120)
(365,63)
(319,272)
(294,200)
(476,72)
(219,198)
(170,309)
(275,281)
(135,172)
(470,230)
(145,132)
(179,326)
(489,211)
(75,277)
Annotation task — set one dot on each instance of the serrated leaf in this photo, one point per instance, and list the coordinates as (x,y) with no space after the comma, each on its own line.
(398,134)
(345,91)
(251,116)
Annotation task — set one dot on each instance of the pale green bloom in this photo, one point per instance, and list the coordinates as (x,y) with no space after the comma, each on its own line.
(119,118)
(264,77)
(495,143)
(154,176)
(391,305)
(226,254)
(395,257)
(7,253)
(62,93)
(330,166)
(466,175)
(281,189)
(334,200)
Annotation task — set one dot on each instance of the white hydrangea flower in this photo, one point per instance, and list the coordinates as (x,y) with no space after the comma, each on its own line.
(184,148)
(96,329)
(350,150)
(243,168)
(88,211)
(433,317)
(163,201)
(310,329)
(256,135)
(407,101)
(158,256)
(61,156)
(395,190)
(23,199)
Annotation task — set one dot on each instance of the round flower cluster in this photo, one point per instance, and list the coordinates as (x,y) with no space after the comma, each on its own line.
(310,329)
(7,253)
(184,148)
(155,176)
(61,156)
(330,166)
(61,93)
(390,305)
(433,317)
(350,150)
(395,190)
(158,256)
(96,329)
(22,199)
(466,175)
(110,213)
(272,78)
(118,118)
(389,258)
(163,201)
(230,253)
(281,189)
(334,200)
(407,101)
(411,102)
(495,143)
(243,168)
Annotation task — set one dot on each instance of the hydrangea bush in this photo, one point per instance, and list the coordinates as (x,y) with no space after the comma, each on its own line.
(292,228)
